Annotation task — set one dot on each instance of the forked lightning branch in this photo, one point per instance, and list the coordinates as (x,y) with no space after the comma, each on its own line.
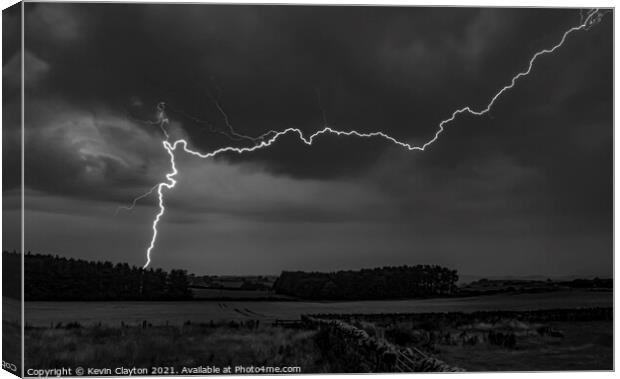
(588,19)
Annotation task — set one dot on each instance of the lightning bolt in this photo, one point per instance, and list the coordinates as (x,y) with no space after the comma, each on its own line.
(135,201)
(588,19)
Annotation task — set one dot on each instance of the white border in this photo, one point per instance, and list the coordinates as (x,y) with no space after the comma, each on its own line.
(480,3)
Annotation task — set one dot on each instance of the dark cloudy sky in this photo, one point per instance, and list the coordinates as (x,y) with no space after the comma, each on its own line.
(524,190)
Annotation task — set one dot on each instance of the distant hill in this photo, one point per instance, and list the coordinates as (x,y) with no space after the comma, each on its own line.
(468,278)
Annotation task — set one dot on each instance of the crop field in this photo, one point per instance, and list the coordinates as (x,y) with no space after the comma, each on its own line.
(230,294)
(159,313)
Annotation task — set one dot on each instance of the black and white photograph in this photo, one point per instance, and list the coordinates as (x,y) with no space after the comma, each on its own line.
(242,189)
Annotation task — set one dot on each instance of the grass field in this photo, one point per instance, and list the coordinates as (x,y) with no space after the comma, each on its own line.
(500,341)
(165,346)
(468,341)
(584,346)
(11,333)
(222,333)
(212,293)
(113,313)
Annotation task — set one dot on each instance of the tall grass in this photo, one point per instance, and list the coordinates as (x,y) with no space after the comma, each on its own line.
(187,345)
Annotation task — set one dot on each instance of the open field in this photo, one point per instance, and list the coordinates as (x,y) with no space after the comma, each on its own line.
(11,334)
(583,346)
(480,341)
(230,294)
(220,333)
(546,340)
(173,346)
(113,313)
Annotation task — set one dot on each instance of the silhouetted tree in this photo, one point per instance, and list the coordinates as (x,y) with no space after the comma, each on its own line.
(50,277)
(377,283)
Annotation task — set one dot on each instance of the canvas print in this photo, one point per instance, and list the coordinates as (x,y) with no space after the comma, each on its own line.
(196,189)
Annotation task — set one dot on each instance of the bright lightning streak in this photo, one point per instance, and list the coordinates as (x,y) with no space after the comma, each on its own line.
(267,139)
(170,184)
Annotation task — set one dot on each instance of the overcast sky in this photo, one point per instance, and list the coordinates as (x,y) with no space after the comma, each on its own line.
(523,190)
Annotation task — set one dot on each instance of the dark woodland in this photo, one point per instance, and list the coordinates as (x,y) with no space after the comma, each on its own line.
(368,284)
(56,278)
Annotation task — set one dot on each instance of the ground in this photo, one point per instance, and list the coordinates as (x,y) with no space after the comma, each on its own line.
(112,313)
(194,333)
(585,346)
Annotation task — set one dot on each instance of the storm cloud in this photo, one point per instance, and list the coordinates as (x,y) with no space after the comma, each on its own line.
(526,187)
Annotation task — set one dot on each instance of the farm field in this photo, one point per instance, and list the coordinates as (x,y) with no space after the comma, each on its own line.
(481,341)
(544,340)
(583,346)
(113,313)
(173,346)
(229,294)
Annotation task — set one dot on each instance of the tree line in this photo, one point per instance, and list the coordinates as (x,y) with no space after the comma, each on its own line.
(11,275)
(369,284)
(49,277)
(595,283)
